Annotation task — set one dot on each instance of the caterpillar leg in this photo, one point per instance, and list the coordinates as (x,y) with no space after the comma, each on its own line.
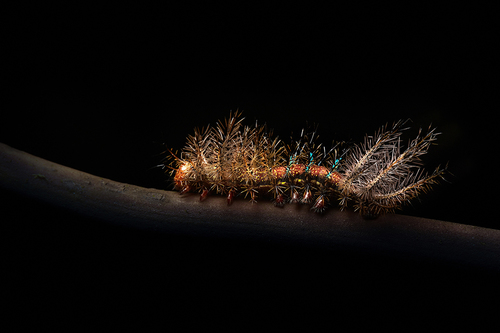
(204,194)
(230,196)
(319,204)
(280,201)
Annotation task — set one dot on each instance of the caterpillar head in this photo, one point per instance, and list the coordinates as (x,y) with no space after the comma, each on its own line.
(181,175)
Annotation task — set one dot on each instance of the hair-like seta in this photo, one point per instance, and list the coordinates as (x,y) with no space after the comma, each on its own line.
(379,176)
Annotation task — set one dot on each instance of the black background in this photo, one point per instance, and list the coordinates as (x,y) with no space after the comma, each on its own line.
(103,90)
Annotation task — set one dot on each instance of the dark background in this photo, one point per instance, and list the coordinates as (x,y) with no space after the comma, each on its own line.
(103,90)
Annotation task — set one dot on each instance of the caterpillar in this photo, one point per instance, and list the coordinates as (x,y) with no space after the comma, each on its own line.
(375,177)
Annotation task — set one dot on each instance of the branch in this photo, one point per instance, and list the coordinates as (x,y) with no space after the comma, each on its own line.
(167,211)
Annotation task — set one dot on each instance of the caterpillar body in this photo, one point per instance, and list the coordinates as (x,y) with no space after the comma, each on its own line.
(377,176)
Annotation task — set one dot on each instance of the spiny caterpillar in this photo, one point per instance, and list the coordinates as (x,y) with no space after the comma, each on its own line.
(377,176)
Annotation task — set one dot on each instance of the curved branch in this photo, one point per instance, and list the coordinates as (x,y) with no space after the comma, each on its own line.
(167,211)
